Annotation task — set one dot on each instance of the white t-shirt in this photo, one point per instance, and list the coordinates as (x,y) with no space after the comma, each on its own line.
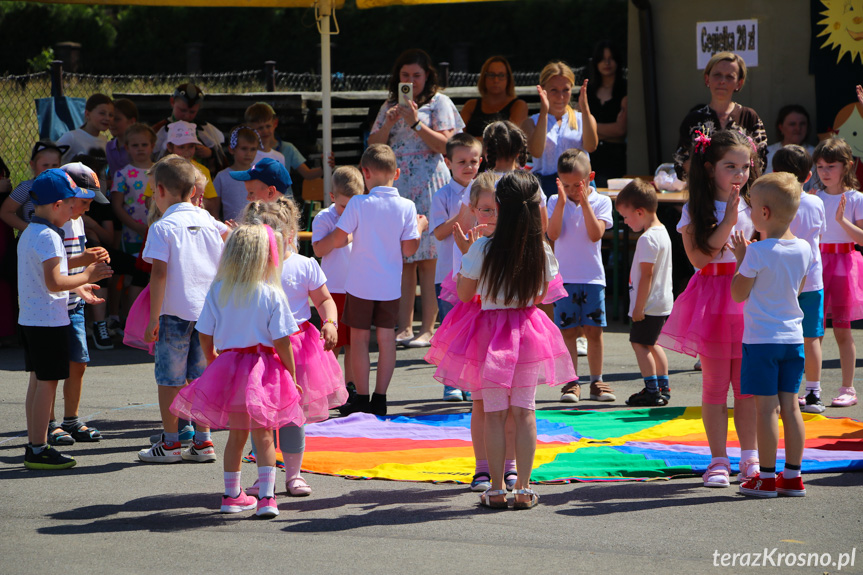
(775,147)
(853,211)
(232,192)
(335,263)
(301,275)
(189,240)
(272,154)
(771,313)
(446,203)
(379,222)
(809,224)
(262,319)
(465,198)
(38,306)
(559,138)
(654,246)
(80,142)
(581,259)
(744,224)
(471,268)
(74,242)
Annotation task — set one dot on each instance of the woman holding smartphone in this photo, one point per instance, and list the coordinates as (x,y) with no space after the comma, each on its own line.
(416,121)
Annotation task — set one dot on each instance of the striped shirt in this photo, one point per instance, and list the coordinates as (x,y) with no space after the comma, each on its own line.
(21,195)
(74,241)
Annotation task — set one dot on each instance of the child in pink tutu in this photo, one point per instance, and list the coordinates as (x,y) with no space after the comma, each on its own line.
(510,347)
(843,264)
(248,385)
(705,321)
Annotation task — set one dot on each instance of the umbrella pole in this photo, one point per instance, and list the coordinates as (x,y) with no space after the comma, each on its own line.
(324,12)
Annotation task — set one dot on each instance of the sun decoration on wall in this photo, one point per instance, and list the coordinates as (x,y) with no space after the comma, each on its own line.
(843,26)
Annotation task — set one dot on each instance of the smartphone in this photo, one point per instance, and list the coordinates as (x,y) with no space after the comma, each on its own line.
(406,93)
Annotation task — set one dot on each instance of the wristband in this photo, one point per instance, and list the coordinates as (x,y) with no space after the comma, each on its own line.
(417,126)
(332,321)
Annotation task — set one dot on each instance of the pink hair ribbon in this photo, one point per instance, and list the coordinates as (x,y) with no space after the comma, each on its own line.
(274,249)
(702,142)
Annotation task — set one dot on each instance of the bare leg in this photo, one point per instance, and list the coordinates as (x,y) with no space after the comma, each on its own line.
(594,349)
(360,362)
(645,359)
(234,449)
(166,397)
(569,336)
(659,359)
(792,424)
(509,432)
(812,351)
(525,447)
(715,419)
(745,423)
(72,389)
(349,368)
(386,360)
(265,453)
(495,447)
(767,408)
(477,430)
(406,304)
(39,412)
(847,354)
(429,304)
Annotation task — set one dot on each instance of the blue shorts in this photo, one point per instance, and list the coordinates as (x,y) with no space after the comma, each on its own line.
(78,351)
(584,305)
(812,304)
(179,357)
(443,307)
(768,368)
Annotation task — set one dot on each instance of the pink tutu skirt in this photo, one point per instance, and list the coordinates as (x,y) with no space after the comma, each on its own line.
(449,290)
(318,373)
(705,320)
(493,349)
(843,286)
(137,322)
(242,389)
(555,291)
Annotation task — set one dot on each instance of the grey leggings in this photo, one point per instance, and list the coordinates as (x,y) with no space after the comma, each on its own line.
(292,439)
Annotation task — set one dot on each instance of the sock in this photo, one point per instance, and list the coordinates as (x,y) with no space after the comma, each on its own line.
(202,436)
(595,378)
(791,471)
(768,473)
(266,482)
(662,381)
(724,460)
(70,423)
(746,454)
(509,465)
(814,387)
(651,384)
(378,398)
(37,449)
(293,462)
(481,466)
(361,400)
(170,437)
(232,483)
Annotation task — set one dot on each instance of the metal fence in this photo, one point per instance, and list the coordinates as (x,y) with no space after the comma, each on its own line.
(18,122)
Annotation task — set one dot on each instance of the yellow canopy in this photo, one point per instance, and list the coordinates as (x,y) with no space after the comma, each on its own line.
(199,3)
(380,3)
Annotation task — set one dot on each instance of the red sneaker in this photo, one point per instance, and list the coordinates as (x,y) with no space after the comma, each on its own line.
(790,487)
(758,487)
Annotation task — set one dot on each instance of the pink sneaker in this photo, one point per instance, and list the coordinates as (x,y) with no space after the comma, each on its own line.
(790,487)
(254,489)
(748,470)
(757,487)
(267,508)
(241,502)
(847,397)
(717,475)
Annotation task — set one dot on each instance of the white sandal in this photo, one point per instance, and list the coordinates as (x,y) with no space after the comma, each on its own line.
(717,474)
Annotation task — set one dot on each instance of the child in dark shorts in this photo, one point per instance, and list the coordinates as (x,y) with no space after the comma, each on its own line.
(650,296)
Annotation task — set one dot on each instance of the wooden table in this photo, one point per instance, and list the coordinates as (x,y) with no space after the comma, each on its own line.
(674,198)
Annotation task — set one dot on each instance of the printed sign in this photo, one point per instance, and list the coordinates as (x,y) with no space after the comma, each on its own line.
(738,36)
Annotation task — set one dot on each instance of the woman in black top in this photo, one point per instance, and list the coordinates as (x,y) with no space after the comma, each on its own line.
(606,94)
(497,99)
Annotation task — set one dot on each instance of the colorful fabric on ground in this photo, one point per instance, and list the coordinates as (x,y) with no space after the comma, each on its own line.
(623,445)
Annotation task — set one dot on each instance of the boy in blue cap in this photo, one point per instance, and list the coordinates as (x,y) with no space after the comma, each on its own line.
(265,181)
(43,288)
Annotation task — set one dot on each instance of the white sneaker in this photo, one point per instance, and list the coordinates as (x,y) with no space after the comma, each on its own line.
(162,453)
(203,452)
(581,346)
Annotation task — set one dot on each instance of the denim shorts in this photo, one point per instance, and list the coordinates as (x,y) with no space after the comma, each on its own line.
(179,357)
(584,304)
(78,351)
(768,368)
(443,307)
(812,304)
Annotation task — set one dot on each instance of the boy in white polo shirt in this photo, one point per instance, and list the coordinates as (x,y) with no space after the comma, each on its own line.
(579,217)
(770,275)
(184,247)
(43,289)
(385,228)
(347,183)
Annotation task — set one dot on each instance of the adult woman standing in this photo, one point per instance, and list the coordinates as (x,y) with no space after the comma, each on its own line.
(418,133)
(606,95)
(547,140)
(497,99)
(792,125)
(724,76)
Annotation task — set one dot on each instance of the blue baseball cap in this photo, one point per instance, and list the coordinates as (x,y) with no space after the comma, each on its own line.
(54,185)
(269,171)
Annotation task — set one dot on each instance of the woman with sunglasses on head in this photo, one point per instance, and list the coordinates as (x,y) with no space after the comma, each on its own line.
(497,101)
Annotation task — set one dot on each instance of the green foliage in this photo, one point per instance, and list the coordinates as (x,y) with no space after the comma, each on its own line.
(41,61)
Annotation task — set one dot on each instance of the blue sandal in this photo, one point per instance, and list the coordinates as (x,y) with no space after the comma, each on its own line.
(509,479)
(481,482)
(61,437)
(80,431)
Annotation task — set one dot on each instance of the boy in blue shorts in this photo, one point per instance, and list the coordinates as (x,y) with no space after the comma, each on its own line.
(809,223)
(770,276)
(579,217)
(43,288)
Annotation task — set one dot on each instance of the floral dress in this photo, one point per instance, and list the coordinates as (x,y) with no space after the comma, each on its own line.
(423,171)
(132,183)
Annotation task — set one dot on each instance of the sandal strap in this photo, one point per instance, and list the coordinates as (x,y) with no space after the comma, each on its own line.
(481,474)
(524,492)
(510,474)
(494,492)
